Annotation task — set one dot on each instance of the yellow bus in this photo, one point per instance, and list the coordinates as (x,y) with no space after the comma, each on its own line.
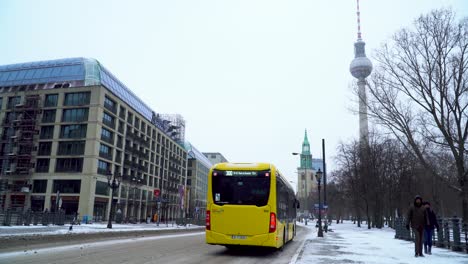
(249,204)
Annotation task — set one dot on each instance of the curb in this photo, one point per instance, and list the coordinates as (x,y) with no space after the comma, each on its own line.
(23,242)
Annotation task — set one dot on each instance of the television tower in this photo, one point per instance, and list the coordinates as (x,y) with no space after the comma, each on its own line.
(361,68)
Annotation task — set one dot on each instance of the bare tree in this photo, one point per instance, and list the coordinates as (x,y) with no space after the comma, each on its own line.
(419,92)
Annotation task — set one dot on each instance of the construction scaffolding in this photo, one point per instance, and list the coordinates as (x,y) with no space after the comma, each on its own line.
(20,127)
(175,124)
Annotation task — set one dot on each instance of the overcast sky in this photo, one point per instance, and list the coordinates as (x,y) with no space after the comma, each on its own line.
(247,76)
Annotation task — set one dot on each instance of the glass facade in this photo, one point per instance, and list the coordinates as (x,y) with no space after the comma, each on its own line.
(75,115)
(47,132)
(51,100)
(69,165)
(73,72)
(82,98)
(39,186)
(71,148)
(73,131)
(102,188)
(44,148)
(103,167)
(67,186)
(42,165)
(48,116)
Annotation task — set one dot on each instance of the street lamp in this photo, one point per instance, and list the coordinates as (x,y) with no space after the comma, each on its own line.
(305,187)
(318,176)
(113,181)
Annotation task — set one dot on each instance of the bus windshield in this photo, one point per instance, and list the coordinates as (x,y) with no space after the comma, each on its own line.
(241,187)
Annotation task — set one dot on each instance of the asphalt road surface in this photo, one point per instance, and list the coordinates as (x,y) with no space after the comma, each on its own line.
(165,249)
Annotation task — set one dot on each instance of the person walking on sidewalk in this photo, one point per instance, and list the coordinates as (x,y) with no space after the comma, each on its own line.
(417,219)
(431,223)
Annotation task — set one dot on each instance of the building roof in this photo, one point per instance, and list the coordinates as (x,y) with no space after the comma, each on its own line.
(76,72)
(207,154)
(196,154)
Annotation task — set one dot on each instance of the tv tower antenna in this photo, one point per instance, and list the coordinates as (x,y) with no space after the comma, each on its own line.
(358,13)
(361,68)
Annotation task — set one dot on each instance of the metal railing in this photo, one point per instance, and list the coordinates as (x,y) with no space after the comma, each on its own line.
(9,218)
(452,234)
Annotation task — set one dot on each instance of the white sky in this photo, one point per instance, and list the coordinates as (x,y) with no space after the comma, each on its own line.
(248,76)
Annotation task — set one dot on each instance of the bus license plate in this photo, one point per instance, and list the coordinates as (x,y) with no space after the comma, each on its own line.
(239,237)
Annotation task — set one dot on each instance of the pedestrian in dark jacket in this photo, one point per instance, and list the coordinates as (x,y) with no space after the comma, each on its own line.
(431,223)
(417,219)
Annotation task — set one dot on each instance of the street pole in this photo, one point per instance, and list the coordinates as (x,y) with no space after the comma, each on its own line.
(109,223)
(113,184)
(306,193)
(318,176)
(320,231)
(324,184)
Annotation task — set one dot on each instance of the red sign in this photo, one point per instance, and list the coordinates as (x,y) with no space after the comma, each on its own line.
(156,193)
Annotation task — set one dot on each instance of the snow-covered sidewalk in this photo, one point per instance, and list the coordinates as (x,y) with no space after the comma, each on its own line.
(11,231)
(350,244)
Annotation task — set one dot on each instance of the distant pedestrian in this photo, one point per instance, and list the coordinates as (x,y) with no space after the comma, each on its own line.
(431,223)
(417,219)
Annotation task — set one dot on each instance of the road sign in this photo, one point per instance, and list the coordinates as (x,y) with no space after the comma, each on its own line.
(156,193)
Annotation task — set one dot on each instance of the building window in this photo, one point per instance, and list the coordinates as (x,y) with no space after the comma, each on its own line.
(42,165)
(107,136)
(71,148)
(44,148)
(51,100)
(110,105)
(13,101)
(108,120)
(105,151)
(48,116)
(47,132)
(10,117)
(73,131)
(122,112)
(67,186)
(130,118)
(137,123)
(82,98)
(75,115)
(69,165)
(39,186)
(102,188)
(103,167)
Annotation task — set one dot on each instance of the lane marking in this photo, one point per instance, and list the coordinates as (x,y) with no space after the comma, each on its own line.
(81,246)
(299,251)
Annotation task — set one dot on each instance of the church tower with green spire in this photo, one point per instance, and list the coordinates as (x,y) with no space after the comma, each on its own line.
(305,179)
(306,157)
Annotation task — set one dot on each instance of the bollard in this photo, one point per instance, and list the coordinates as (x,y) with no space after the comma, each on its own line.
(456,234)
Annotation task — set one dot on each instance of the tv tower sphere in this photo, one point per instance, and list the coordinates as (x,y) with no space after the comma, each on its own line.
(361,66)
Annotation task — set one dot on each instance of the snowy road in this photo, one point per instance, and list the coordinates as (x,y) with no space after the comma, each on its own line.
(174,248)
